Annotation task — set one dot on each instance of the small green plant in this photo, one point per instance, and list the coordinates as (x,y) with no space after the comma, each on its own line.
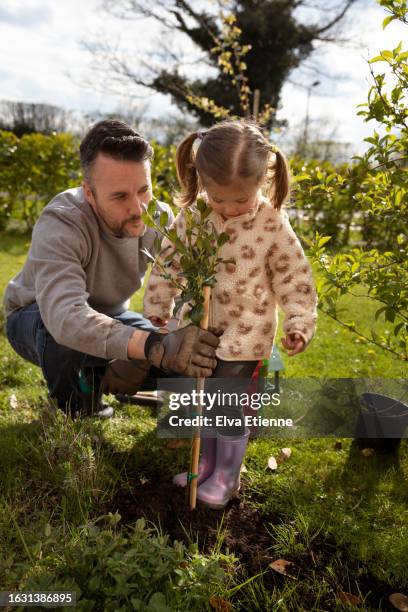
(72,452)
(294,537)
(197,255)
(135,569)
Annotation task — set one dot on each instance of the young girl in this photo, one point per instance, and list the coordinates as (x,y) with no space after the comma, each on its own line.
(245,180)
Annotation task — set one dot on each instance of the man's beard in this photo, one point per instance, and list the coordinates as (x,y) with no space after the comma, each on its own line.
(119,229)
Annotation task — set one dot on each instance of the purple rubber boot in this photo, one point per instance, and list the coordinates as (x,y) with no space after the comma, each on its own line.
(224,482)
(206,464)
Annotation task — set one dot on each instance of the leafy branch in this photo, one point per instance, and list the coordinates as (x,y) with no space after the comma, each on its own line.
(197,257)
(343,272)
(381,194)
(381,342)
(230,53)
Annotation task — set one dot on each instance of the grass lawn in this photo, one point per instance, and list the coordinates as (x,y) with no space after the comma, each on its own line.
(89,506)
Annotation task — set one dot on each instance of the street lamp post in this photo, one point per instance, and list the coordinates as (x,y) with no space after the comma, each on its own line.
(305,132)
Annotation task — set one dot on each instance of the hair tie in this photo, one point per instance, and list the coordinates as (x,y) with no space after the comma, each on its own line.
(273,148)
(201,134)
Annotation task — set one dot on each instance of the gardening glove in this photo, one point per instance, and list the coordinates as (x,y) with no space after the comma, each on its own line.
(125,377)
(189,351)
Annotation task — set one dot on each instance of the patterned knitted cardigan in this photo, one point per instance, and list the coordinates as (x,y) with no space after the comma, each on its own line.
(271,270)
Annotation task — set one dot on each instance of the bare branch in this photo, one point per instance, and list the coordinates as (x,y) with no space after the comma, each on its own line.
(335,20)
(137,11)
(317,72)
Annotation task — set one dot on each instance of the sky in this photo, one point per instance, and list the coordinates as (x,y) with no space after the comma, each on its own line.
(43,60)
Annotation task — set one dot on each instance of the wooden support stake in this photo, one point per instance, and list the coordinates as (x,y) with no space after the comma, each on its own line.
(195,445)
(255,109)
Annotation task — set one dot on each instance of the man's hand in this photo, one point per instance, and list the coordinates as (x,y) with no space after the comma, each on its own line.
(189,351)
(293,343)
(125,377)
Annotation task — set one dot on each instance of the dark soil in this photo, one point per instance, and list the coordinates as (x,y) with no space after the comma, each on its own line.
(245,535)
(166,505)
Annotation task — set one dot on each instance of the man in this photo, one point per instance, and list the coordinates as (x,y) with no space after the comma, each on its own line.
(67,310)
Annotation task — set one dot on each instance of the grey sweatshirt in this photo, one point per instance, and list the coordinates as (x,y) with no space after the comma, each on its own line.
(81,275)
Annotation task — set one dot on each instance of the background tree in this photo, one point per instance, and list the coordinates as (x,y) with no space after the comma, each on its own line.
(26,118)
(274,42)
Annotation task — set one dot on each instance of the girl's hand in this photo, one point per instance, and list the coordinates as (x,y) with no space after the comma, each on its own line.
(293,343)
(158,322)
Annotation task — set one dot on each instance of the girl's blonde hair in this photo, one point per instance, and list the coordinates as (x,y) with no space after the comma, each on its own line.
(228,151)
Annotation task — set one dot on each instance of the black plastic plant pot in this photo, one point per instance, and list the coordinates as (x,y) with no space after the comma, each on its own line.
(383,424)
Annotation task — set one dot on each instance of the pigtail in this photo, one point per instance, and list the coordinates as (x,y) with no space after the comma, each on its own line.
(186,172)
(278,177)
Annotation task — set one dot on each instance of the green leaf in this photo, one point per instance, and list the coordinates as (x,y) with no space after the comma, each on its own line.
(377,58)
(388,20)
(396,94)
(164,219)
(172,235)
(147,219)
(187,296)
(157,244)
(157,603)
(390,314)
(177,306)
(222,239)
(201,205)
(209,281)
(387,54)
(323,240)
(398,328)
(397,49)
(380,311)
(151,207)
(197,313)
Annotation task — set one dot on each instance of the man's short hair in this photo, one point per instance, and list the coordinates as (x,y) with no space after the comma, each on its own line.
(115,139)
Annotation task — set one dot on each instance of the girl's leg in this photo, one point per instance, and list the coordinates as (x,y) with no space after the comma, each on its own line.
(240,372)
(232,381)
(208,448)
(232,439)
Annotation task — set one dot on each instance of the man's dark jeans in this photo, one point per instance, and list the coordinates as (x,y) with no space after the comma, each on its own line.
(60,365)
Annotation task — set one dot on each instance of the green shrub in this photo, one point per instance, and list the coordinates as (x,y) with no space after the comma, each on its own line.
(164,176)
(379,270)
(324,200)
(8,149)
(34,168)
(135,570)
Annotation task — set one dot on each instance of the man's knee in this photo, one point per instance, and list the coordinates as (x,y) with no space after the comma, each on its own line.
(19,337)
